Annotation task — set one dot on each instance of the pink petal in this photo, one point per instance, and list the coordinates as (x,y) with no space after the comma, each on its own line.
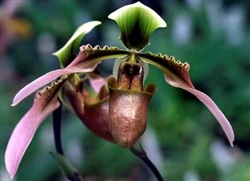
(78,65)
(36,84)
(177,75)
(45,102)
(96,81)
(86,61)
(209,103)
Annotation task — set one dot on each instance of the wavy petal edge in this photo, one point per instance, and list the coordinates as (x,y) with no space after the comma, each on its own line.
(45,102)
(86,61)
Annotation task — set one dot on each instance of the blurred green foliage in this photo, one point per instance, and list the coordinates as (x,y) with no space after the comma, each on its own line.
(184,128)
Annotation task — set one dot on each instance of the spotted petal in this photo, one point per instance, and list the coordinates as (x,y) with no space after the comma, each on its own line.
(177,75)
(86,61)
(45,102)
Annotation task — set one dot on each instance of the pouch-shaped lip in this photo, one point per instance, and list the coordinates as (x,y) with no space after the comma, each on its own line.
(128,110)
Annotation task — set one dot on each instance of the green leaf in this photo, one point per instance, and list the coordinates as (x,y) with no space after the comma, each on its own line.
(137,22)
(72,46)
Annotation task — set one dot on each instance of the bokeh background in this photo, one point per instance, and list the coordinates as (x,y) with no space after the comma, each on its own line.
(183,139)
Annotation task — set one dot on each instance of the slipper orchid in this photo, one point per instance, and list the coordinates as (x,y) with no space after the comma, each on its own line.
(119,112)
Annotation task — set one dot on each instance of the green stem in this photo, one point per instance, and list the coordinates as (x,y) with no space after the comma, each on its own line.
(138,150)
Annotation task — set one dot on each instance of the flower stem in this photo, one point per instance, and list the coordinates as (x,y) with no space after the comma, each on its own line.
(138,150)
(57,118)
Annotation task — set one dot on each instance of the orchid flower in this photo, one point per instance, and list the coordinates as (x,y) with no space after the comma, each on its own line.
(119,111)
